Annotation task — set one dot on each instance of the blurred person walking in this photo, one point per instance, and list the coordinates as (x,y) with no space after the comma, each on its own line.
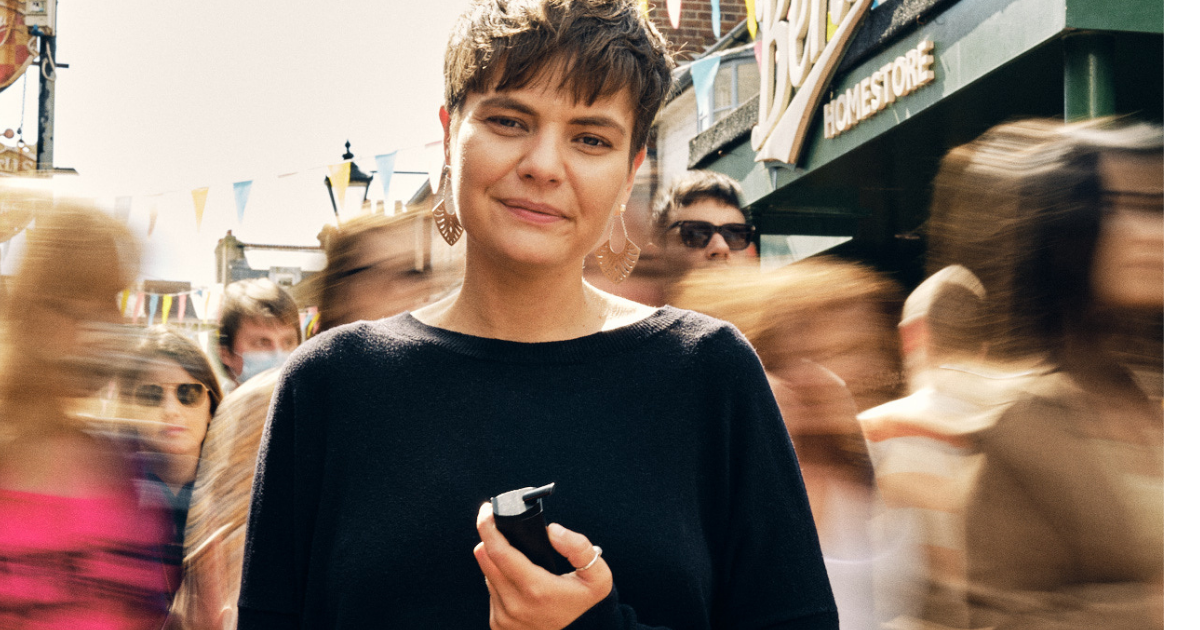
(174,394)
(1063,224)
(657,425)
(375,270)
(216,523)
(824,329)
(77,547)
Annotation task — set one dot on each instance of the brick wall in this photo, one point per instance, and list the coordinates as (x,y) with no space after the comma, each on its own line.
(695,24)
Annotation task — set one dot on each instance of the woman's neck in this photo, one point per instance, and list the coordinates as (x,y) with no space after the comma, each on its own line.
(175,471)
(529,307)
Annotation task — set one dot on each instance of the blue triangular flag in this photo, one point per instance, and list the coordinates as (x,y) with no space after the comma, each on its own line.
(241,194)
(384,165)
(716,18)
(704,72)
(153,308)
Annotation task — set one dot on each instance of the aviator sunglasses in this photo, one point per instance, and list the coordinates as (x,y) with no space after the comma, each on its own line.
(151,394)
(698,233)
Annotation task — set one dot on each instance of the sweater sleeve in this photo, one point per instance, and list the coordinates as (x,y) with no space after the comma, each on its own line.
(773,574)
(273,568)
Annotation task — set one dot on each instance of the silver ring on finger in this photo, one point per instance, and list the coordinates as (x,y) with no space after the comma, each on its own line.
(598,551)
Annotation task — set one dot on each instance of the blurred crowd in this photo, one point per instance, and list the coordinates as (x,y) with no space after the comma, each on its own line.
(985,451)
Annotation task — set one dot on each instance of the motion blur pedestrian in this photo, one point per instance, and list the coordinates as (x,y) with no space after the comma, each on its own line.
(1063,224)
(259,327)
(825,330)
(216,526)
(77,548)
(657,425)
(174,393)
(377,266)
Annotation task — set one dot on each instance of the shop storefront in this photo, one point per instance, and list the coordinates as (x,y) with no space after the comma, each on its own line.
(857,109)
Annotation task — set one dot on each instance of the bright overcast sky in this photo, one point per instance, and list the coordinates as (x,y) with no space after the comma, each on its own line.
(167,96)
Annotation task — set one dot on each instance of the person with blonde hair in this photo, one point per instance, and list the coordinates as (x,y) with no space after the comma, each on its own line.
(77,546)
(825,330)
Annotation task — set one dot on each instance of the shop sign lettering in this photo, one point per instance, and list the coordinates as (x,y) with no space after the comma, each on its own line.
(873,94)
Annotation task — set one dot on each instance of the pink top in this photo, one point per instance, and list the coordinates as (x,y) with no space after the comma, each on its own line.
(85,563)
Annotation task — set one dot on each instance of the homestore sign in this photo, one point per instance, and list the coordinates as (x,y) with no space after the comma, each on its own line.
(803,42)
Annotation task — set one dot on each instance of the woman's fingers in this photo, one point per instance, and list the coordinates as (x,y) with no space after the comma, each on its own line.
(579,551)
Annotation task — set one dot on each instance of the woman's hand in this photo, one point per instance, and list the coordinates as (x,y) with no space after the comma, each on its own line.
(526,596)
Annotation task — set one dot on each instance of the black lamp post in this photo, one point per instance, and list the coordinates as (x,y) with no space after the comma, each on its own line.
(358,179)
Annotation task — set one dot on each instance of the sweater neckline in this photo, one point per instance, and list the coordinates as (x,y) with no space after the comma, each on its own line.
(579,350)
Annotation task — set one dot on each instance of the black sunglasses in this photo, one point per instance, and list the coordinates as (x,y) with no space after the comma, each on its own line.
(738,236)
(151,394)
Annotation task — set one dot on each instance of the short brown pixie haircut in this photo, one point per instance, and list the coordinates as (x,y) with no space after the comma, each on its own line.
(601,47)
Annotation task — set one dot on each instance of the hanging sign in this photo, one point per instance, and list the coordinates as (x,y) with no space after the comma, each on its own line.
(17,47)
(19,159)
(803,43)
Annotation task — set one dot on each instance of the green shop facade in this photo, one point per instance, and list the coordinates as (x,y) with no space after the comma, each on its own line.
(857,109)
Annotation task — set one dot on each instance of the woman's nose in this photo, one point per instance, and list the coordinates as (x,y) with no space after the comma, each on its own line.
(542,162)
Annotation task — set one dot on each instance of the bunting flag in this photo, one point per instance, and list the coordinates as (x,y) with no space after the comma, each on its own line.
(313,326)
(758,53)
(153,309)
(716,18)
(385,166)
(752,23)
(124,302)
(167,299)
(137,306)
(644,5)
(205,294)
(339,179)
(121,208)
(183,300)
(199,198)
(704,72)
(674,8)
(241,194)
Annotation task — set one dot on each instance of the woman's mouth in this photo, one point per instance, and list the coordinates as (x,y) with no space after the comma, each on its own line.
(532,212)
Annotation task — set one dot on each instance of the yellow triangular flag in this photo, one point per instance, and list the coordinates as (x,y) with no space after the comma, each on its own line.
(199,198)
(167,299)
(124,301)
(830,27)
(751,23)
(339,179)
(644,5)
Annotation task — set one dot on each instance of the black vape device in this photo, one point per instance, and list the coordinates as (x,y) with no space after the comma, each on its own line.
(520,518)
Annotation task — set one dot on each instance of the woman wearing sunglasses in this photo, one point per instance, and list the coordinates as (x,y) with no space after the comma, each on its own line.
(175,393)
(387,438)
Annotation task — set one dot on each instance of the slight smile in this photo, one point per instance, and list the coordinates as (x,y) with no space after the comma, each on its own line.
(532,212)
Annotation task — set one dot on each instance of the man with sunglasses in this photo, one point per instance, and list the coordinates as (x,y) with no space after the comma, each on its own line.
(701,223)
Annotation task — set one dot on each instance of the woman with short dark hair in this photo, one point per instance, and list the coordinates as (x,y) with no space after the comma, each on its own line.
(657,425)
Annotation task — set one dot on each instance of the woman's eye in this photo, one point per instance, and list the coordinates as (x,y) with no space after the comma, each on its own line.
(595,141)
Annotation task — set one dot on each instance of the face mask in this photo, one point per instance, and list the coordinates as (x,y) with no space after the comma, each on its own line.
(255,363)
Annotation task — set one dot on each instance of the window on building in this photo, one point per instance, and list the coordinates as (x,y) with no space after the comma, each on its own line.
(736,82)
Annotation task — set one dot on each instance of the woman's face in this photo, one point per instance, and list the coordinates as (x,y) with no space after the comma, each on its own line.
(536,176)
(1127,270)
(174,427)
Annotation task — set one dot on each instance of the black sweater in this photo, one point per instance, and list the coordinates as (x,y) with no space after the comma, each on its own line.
(663,438)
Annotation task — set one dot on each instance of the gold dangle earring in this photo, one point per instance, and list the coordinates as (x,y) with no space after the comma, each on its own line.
(443,213)
(617,265)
